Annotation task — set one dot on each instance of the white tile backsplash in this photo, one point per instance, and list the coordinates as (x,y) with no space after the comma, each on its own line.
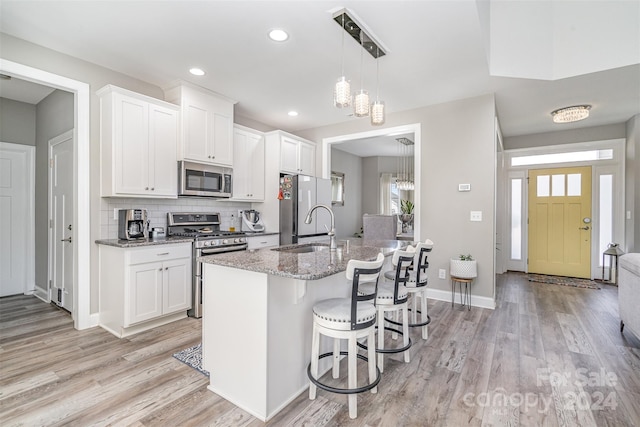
(157,210)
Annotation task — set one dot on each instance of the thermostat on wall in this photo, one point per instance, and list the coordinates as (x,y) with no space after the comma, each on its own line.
(464,187)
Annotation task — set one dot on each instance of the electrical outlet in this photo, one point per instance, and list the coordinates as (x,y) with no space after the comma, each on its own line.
(115,214)
(239,213)
(442,273)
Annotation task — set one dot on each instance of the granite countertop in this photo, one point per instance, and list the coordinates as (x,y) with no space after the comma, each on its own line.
(144,242)
(304,266)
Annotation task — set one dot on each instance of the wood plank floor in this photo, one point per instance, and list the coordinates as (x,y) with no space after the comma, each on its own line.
(548,355)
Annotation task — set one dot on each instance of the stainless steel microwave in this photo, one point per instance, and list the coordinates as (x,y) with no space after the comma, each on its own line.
(198,179)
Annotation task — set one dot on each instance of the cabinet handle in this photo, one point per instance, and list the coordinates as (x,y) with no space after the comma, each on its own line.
(160,269)
(163,253)
(146,188)
(166,268)
(153,188)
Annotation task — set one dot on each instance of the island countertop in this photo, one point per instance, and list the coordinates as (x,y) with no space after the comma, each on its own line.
(304,266)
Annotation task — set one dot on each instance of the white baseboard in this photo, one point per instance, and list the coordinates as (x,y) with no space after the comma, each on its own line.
(476,301)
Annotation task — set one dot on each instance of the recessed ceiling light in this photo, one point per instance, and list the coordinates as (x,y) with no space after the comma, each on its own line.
(293,113)
(278,35)
(197,71)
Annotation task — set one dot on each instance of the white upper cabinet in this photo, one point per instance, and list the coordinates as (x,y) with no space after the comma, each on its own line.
(297,156)
(207,125)
(138,144)
(248,165)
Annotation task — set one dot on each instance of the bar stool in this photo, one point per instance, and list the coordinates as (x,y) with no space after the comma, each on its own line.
(417,287)
(348,318)
(392,297)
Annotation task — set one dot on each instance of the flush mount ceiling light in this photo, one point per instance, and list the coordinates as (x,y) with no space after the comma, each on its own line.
(292,113)
(197,71)
(278,35)
(571,114)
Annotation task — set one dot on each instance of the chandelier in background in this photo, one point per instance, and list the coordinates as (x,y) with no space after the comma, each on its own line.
(362,105)
(405,180)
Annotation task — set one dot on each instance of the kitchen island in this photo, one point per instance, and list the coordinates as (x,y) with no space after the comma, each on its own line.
(257,318)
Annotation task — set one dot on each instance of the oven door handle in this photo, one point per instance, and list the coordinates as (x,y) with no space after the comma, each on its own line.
(205,252)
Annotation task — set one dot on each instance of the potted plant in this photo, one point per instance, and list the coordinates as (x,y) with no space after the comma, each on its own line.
(464,267)
(406,216)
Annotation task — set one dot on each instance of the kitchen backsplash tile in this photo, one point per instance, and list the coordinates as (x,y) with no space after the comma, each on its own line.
(157,211)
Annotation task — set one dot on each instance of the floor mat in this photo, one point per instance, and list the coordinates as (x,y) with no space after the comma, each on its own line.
(192,356)
(564,281)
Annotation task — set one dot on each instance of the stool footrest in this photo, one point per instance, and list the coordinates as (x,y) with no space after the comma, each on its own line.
(389,350)
(412,325)
(344,390)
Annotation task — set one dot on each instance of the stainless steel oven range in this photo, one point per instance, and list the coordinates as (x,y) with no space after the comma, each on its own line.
(207,239)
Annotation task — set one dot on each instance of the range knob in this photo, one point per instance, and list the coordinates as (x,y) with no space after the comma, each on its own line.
(225,241)
(237,240)
(207,243)
(214,242)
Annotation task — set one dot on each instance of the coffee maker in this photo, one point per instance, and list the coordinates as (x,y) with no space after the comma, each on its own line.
(251,221)
(133,224)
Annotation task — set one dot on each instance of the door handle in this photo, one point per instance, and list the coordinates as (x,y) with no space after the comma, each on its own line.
(586,227)
(66,240)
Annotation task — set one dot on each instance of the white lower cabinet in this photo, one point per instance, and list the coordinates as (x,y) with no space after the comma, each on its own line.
(144,287)
(259,242)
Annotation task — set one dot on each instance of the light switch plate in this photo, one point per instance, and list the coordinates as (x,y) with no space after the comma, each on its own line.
(476,216)
(464,187)
(442,273)
(115,214)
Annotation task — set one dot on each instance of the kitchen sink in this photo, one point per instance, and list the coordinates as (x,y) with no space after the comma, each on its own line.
(303,249)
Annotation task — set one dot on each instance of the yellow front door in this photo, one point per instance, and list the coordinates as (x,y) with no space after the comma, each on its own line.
(560,221)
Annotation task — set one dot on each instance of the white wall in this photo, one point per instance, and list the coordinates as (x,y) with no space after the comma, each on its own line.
(457,146)
(20,51)
(594,133)
(17,122)
(349,215)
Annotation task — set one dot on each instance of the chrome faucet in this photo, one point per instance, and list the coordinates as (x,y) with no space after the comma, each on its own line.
(332,233)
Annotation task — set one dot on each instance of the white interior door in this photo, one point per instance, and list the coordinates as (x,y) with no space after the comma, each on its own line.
(61,209)
(16,219)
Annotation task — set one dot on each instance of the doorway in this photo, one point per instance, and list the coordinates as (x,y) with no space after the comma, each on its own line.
(414,129)
(17,176)
(61,220)
(560,221)
(81,312)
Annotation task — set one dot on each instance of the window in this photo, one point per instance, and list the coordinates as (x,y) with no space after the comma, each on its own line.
(516,219)
(606,214)
(576,156)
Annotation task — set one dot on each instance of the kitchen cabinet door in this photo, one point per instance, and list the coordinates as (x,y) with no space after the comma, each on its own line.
(248,167)
(163,170)
(131,145)
(145,293)
(307,159)
(289,155)
(260,242)
(176,284)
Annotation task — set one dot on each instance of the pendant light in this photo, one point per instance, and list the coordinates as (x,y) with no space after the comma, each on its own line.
(377,108)
(361,100)
(342,89)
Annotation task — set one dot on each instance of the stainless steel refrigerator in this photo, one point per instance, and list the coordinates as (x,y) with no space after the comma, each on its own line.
(299,193)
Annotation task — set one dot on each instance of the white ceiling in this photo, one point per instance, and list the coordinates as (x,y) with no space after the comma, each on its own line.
(536,56)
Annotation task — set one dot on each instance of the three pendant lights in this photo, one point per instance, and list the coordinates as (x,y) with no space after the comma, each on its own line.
(342,97)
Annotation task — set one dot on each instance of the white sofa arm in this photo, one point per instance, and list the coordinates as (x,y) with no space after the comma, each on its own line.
(629,293)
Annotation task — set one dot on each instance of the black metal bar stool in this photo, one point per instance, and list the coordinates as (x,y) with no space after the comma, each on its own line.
(348,318)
